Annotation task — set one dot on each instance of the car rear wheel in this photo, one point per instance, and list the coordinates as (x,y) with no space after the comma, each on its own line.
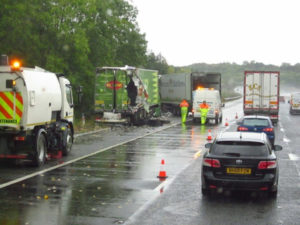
(205,192)
(273,194)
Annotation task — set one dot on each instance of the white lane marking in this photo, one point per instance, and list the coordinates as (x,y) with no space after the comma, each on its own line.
(158,190)
(80,158)
(293,157)
(281,129)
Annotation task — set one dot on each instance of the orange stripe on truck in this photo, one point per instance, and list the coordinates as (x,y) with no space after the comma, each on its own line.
(18,96)
(5,113)
(273,102)
(248,102)
(10,104)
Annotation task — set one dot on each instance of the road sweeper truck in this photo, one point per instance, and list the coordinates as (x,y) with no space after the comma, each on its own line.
(36,113)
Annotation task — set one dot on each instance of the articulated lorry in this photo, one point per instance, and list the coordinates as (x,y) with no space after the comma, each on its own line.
(36,113)
(261,93)
(126,94)
(195,88)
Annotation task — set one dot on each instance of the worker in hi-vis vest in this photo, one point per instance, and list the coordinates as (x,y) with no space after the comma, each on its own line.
(184,105)
(204,108)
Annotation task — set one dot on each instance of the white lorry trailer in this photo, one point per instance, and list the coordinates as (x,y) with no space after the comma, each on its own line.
(261,93)
(36,113)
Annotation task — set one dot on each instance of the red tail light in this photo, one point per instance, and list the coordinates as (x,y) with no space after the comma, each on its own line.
(211,163)
(262,165)
(268,129)
(242,128)
(19,138)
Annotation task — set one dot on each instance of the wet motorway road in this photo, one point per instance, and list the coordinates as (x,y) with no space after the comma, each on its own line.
(104,188)
(118,184)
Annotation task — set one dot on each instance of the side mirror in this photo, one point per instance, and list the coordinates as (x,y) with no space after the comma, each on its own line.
(208,145)
(223,104)
(277,147)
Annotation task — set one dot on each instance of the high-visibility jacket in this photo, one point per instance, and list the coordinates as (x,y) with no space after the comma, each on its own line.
(184,103)
(204,106)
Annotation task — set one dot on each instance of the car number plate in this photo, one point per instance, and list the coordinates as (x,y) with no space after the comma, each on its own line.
(232,170)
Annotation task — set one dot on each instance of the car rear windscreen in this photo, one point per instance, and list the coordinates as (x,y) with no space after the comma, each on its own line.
(256,122)
(240,148)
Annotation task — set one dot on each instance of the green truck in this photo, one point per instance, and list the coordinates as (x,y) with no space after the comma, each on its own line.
(126,94)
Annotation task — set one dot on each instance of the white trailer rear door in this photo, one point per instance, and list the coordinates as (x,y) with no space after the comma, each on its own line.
(261,90)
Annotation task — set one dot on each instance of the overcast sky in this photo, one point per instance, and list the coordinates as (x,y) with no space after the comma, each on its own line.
(216,31)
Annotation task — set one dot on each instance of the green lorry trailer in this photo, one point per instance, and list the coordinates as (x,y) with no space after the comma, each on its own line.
(126,94)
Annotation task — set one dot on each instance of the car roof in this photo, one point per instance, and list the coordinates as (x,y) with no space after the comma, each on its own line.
(242,136)
(256,116)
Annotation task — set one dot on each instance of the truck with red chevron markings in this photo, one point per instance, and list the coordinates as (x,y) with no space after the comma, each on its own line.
(36,113)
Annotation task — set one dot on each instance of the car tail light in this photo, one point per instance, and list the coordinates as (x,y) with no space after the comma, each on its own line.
(262,165)
(211,163)
(264,188)
(242,128)
(19,138)
(268,129)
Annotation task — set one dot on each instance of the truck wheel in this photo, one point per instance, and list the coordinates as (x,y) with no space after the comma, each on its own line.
(40,150)
(69,142)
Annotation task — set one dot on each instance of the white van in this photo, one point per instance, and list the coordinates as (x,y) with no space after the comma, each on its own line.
(295,103)
(213,99)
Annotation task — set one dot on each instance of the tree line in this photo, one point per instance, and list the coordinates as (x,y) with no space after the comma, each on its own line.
(74,37)
(233,74)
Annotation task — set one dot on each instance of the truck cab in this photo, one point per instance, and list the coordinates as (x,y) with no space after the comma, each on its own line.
(213,99)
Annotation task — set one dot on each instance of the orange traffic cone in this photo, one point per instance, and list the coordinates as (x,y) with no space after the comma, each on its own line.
(162,173)
(209,137)
(226,122)
(236,116)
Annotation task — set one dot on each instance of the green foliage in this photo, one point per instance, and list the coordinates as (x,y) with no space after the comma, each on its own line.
(157,63)
(73,37)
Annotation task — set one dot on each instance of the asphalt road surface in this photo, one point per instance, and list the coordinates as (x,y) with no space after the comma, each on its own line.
(111,178)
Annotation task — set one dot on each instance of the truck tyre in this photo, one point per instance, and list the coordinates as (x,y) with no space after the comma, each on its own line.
(40,149)
(69,142)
